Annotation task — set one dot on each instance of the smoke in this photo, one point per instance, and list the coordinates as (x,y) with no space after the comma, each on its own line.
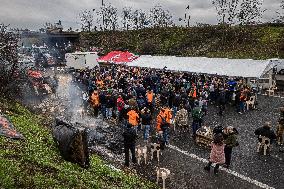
(66,103)
(69,95)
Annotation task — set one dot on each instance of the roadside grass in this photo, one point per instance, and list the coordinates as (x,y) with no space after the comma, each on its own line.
(36,162)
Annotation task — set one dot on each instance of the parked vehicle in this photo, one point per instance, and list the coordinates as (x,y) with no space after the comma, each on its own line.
(81,60)
(39,84)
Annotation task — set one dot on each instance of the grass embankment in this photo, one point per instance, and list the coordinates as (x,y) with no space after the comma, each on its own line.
(36,163)
(256,42)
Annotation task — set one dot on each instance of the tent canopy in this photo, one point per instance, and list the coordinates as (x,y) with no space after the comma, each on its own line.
(219,66)
(118,57)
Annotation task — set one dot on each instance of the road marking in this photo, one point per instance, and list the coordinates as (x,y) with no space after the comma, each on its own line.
(272,96)
(252,181)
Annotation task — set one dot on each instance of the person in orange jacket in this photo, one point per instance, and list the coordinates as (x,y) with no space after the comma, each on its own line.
(163,123)
(95,101)
(160,119)
(150,99)
(133,119)
(168,114)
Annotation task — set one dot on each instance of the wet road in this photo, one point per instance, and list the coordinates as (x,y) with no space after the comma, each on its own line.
(186,168)
(251,170)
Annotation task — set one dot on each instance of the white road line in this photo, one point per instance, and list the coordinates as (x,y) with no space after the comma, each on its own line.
(272,95)
(255,182)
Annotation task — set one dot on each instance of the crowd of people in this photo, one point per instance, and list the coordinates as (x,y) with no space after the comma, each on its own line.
(157,101)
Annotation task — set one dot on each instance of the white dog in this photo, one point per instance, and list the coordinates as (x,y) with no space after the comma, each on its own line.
(155,148)
(164,174)
(141,152)
(81,112)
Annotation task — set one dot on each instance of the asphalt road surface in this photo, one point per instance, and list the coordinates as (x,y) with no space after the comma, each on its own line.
(185,159)
(249,169)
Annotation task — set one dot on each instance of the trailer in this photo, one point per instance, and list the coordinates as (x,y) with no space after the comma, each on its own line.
(81,60)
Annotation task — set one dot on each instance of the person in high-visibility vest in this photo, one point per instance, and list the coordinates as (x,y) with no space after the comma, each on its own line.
(95,101)
(150,99)
(163,123)
(160,119)
(133,118)
(194,95)
(100,83)
(169,115)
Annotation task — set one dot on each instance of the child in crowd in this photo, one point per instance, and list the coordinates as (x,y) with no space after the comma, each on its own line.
(217,154)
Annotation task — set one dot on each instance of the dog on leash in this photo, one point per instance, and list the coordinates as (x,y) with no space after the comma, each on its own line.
(155,148)
(141,152)
(164,174)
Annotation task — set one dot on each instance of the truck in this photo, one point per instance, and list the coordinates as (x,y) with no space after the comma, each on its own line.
(81,60)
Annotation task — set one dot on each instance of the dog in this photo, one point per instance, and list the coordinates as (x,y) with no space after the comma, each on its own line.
(164,174)
(81,112)
(141,152)
(263,143)
(155,148)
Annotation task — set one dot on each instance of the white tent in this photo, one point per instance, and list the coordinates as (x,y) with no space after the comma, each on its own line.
(221,66)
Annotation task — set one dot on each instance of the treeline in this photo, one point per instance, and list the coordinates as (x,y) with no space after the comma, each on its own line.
(229,12)
(256,42)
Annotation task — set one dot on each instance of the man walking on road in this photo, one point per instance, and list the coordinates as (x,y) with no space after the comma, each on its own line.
(130,137)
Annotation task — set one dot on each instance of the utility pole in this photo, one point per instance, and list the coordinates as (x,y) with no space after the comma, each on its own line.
(187,17)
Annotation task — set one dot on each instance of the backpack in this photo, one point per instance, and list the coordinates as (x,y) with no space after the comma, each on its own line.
(197,113)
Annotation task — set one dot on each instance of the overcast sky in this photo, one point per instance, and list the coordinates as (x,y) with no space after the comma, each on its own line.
(33,14)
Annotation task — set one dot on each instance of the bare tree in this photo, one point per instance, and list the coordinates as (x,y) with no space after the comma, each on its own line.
(87,20)
(160,17)
(280,14)
(8,58)
(127,17)
(135,19)
(143,19)
(227,10)
(109,16)
(238,11)
(250,11)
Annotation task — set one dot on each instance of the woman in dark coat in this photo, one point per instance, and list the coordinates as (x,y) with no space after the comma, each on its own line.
(230,139)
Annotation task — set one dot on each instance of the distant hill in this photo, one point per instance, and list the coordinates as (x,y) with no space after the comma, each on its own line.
(255,42)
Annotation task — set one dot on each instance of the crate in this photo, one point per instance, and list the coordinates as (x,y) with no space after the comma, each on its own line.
(203,140)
